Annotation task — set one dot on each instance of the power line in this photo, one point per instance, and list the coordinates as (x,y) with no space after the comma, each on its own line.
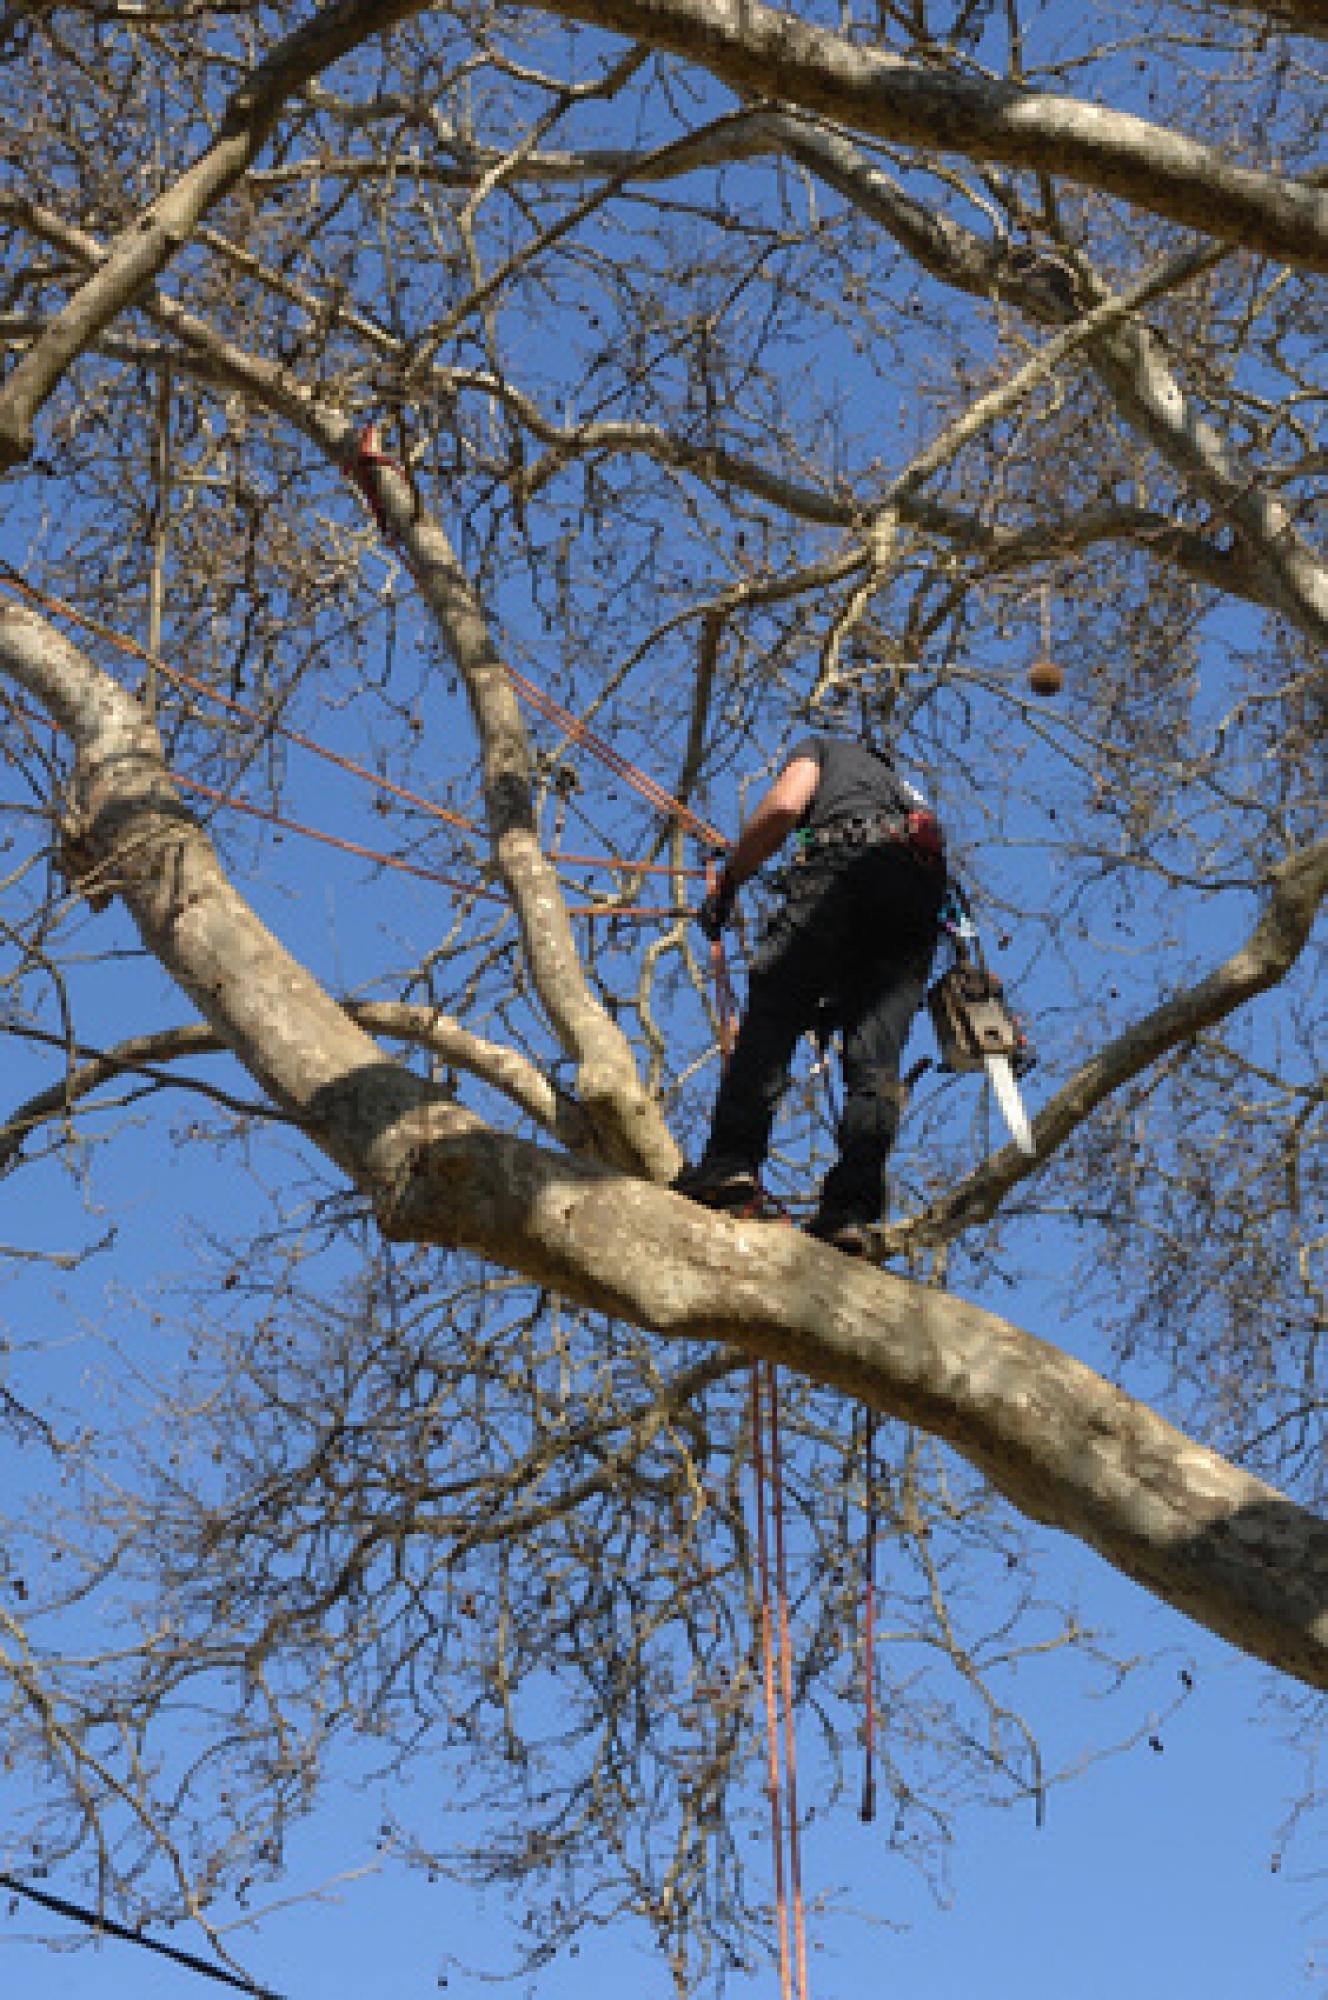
(108,1927)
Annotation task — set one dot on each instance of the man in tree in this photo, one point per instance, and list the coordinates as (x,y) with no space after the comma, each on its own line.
(849,949)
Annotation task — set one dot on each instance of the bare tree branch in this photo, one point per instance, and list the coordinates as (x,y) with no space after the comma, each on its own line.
(424,1027)
(155,236)
(1269,564)
(1061,1443)
(1124,353)
(1297,888)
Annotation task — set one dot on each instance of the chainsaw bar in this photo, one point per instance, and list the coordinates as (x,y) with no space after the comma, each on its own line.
(1011,1103)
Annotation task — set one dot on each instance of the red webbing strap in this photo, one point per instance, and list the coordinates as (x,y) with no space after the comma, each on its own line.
(368,453)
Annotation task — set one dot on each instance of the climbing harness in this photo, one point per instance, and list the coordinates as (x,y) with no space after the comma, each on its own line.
(918,830)
(773,1783)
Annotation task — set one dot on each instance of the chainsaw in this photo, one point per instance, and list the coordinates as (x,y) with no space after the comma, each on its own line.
(975,1028)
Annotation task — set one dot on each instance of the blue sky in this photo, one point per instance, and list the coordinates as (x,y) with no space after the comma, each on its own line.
(1153,1875)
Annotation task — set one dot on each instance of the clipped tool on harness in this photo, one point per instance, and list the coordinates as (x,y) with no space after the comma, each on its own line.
(974,1025)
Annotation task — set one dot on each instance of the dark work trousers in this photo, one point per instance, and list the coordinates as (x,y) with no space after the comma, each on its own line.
(851,948)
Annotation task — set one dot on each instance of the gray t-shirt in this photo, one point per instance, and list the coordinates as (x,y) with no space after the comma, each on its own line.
(856,783)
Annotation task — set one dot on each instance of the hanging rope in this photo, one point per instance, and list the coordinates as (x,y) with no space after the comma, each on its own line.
(783,1824)
(868,1807)
(768,1670)
(786,1680)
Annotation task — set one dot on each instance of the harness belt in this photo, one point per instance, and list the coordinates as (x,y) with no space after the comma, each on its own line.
(919,831)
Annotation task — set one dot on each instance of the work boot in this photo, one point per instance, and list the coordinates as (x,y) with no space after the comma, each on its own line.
(718,1184)
(845,1233)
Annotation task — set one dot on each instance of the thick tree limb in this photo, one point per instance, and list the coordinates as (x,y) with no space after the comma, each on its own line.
(1064,1445)
(770,53)
(154,237)
(503,1069)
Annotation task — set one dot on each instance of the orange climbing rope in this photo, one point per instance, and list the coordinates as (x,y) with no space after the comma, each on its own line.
(631,774)
(783,1828)
(232,804)
(271,725)
(768,1669)
(620,912)
(786,1680)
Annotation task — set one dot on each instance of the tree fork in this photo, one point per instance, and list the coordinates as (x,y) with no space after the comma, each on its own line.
(1065,1446)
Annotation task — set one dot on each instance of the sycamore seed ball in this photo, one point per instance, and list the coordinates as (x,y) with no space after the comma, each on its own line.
(1044,677)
